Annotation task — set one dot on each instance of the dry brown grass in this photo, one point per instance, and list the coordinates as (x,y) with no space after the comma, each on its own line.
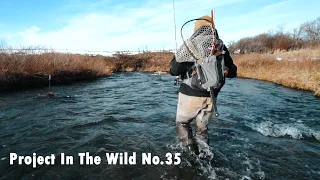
(22,70)
(50,63)
(146,62)
(297,69)
(303,73)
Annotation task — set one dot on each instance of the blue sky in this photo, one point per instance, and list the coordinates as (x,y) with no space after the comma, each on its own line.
(105,25)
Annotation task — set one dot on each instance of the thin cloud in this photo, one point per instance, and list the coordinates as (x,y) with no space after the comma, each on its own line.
(261,20)
(149,26)
(106,26)
(131,29)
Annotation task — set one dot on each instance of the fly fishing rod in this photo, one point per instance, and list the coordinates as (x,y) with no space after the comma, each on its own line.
(177,80)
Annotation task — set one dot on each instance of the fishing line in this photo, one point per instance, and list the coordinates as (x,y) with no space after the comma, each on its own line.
(177,81)
(175,26)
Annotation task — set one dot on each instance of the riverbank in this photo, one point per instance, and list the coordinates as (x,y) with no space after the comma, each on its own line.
(29,70)
(143,62)
(21,71)
(295,69)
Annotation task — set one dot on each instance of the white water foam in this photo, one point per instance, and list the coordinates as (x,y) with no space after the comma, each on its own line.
(252,167)
(159,73)
(295,131)
(203,160)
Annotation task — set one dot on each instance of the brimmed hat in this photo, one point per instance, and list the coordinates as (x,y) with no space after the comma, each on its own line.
(199,23)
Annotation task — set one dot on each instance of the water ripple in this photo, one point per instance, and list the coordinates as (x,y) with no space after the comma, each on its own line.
(265,131)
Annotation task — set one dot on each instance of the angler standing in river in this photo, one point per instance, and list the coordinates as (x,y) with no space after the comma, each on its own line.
(196,103)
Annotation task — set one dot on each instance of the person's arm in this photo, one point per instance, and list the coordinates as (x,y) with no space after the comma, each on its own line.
(232,69)
(177,69)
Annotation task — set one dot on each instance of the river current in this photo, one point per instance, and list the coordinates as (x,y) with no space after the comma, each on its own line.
(264,131)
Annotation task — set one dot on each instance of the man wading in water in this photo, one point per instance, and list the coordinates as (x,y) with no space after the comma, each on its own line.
(192,102)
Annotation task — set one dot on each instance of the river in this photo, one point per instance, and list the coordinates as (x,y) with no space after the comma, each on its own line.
(264,131)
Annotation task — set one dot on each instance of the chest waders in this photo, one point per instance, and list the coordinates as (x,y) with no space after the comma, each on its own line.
(205,49)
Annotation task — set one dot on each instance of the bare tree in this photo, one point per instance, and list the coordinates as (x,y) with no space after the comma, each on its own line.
(3,45)
(243,45)
(297,38)
(308,34)
(232,47)
(311,31)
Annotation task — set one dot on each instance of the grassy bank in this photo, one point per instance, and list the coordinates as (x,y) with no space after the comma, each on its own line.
(19,71)
(298,69)
(145,62)
(25,70)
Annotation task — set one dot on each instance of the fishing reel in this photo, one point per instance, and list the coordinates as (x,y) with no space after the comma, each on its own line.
(177,81)
(218,46)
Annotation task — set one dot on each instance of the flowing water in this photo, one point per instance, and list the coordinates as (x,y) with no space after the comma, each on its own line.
(264,131)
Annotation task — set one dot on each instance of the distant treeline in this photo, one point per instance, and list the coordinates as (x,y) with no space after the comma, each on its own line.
(306,35)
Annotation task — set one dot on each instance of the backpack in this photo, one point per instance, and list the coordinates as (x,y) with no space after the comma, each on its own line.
(207,74)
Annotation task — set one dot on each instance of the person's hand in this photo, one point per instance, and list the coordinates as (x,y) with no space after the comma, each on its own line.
(226,71)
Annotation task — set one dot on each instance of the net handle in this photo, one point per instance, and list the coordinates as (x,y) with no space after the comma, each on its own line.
(212,19)
(214,30)
(184,42)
